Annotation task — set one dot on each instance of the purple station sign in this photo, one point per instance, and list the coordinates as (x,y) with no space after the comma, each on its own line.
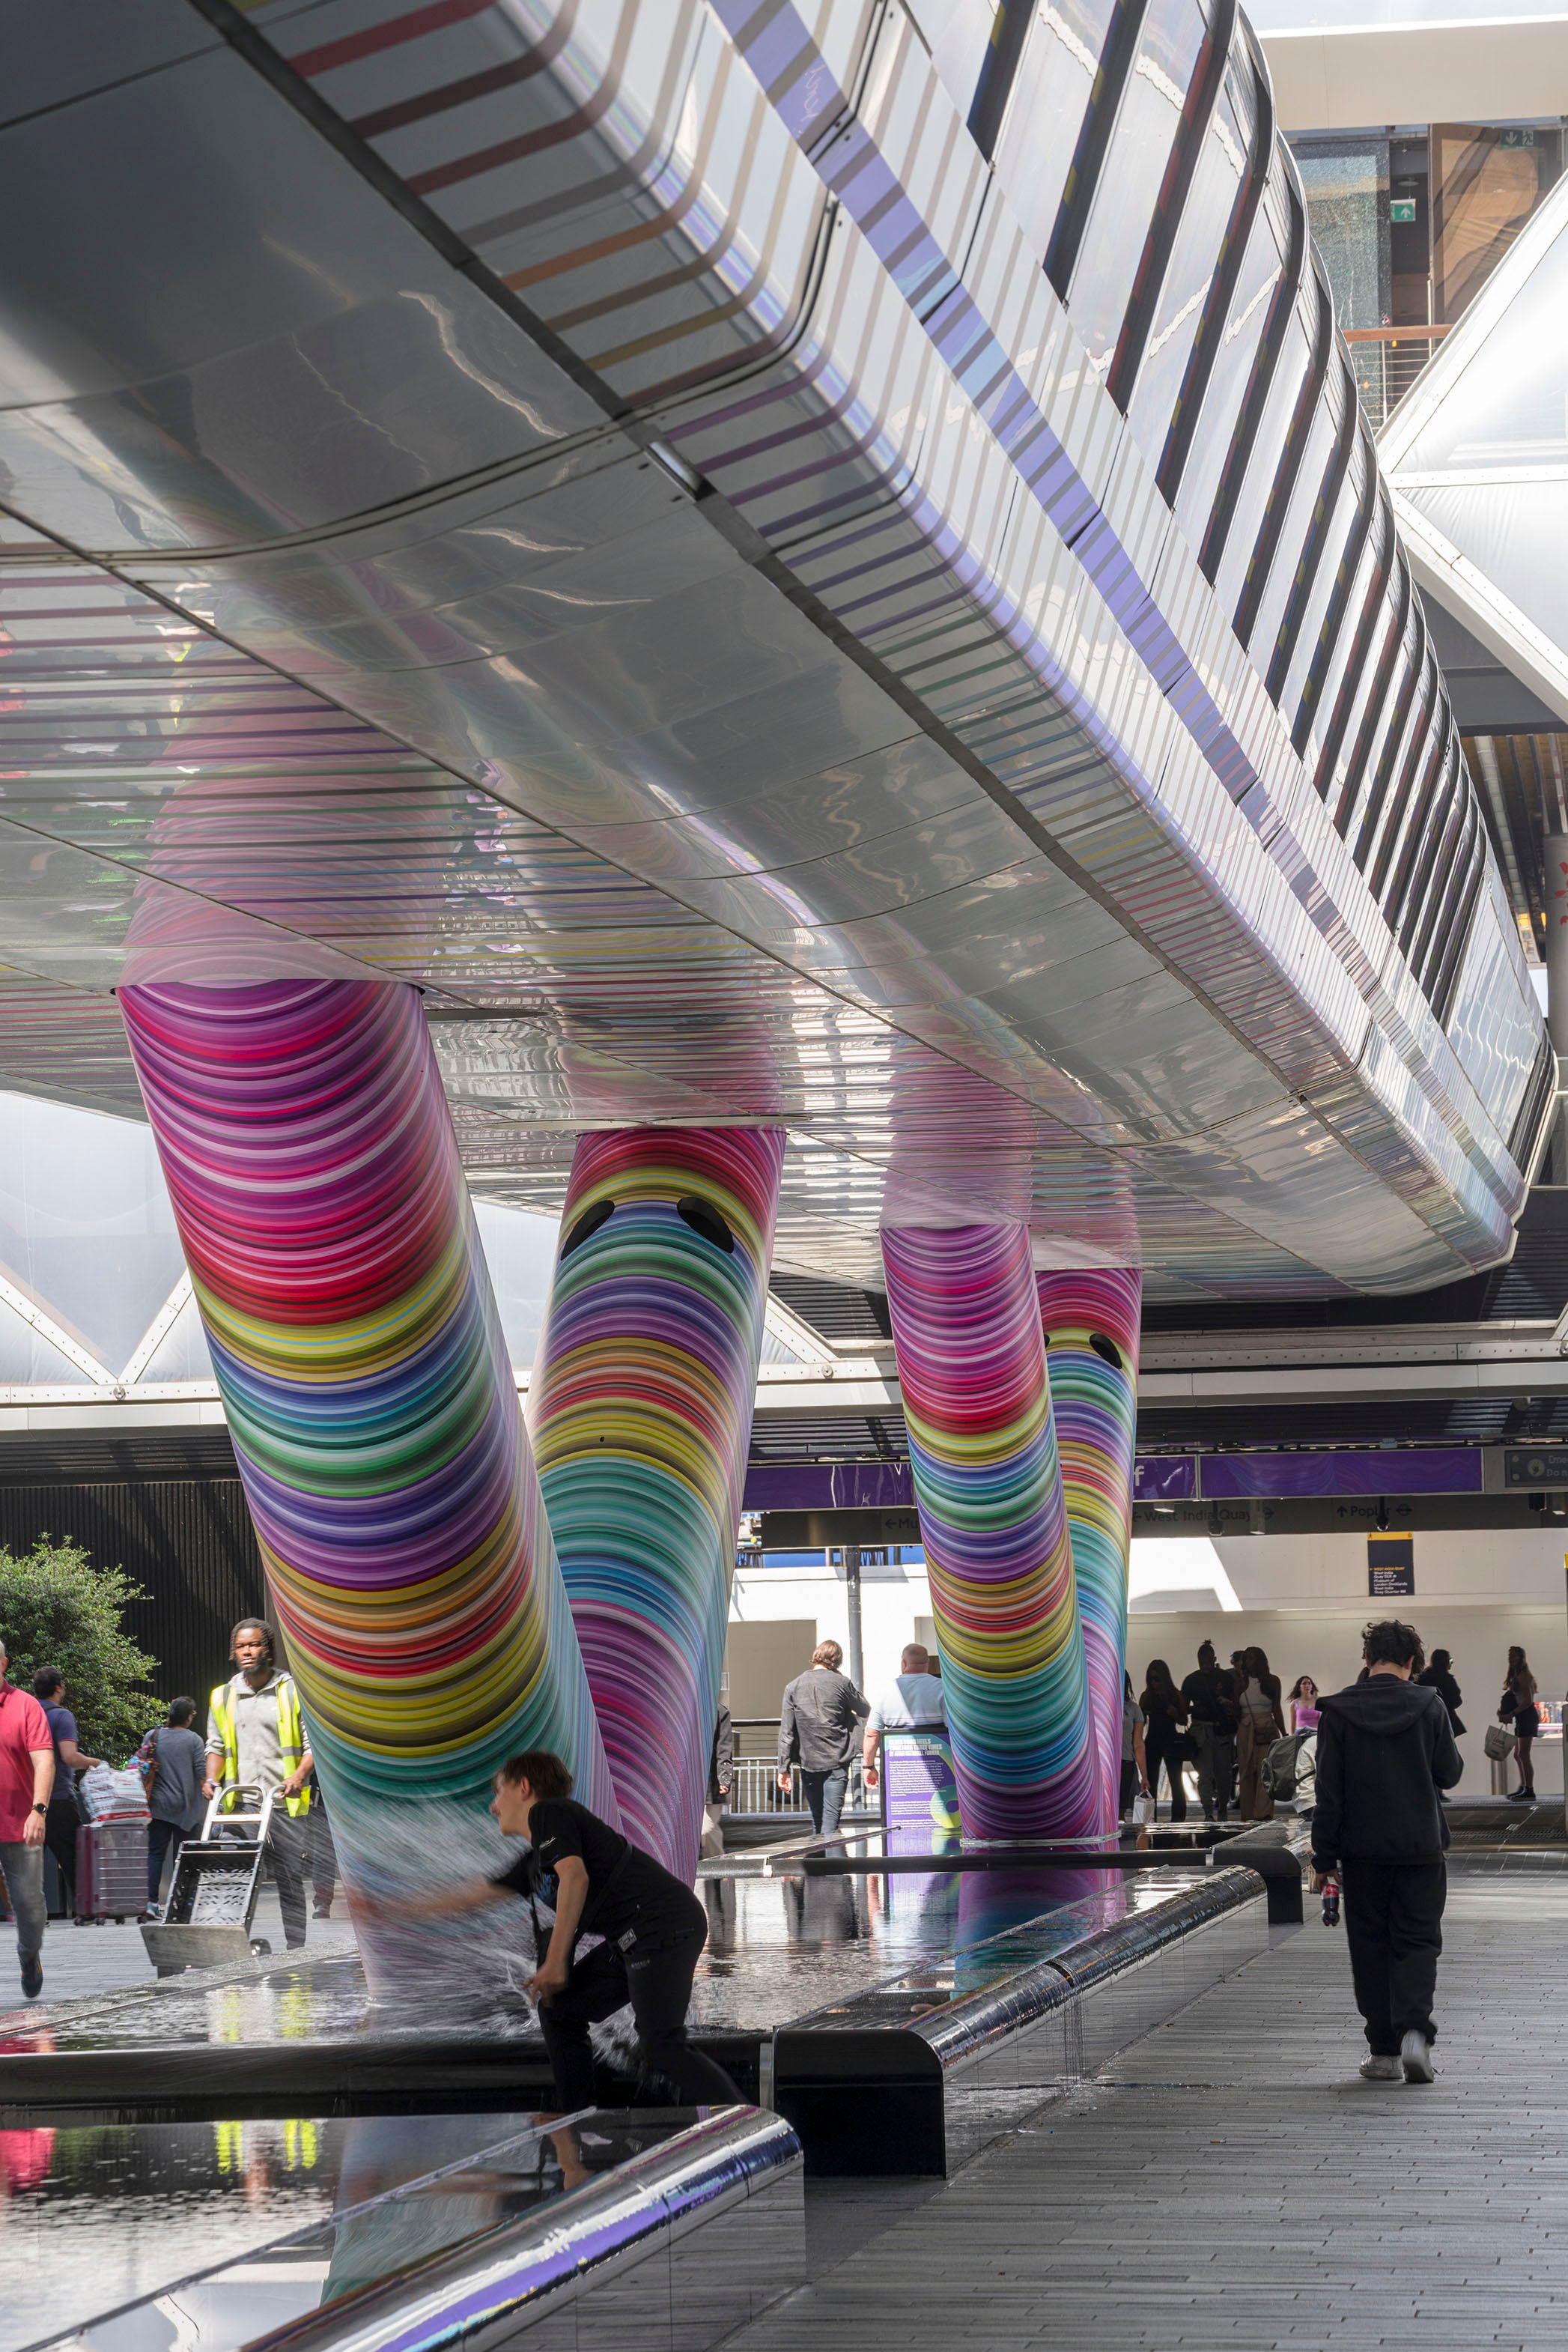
(1392,1470)
(1157,1478)
(1165,1478)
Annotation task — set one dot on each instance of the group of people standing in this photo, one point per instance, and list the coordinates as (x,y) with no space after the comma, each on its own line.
(1223,1719)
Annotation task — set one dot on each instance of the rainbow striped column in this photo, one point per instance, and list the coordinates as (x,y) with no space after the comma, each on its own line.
(314,1173)
(1090,1321)
(971,1363)
(640,1410)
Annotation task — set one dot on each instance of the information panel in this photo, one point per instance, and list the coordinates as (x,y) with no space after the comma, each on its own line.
(1391,1567)
(920,1790)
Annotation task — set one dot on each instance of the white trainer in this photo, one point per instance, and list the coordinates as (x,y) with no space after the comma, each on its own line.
(1380,2069)
(1416,2057)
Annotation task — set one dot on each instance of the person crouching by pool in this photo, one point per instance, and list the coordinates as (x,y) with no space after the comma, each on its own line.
(653,1929)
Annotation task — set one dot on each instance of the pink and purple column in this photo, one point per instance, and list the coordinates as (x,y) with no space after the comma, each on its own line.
(641,1412)
(1090,1321)
(977,1401)
(310,1159)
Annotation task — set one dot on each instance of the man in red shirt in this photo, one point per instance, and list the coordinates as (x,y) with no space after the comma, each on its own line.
(27,1776)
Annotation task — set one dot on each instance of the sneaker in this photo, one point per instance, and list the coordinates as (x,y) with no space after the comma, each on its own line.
(1416,2057)
(320,1910)
(33,1977)
(1380,2069)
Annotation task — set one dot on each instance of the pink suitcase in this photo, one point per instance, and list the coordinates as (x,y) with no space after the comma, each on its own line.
(112,1870)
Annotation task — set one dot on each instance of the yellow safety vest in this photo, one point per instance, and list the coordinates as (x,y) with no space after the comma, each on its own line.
(290,1735)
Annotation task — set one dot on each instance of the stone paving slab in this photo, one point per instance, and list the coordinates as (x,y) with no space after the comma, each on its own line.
(1230,2181)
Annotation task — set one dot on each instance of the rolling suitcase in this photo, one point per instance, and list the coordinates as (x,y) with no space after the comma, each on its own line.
(112,1870)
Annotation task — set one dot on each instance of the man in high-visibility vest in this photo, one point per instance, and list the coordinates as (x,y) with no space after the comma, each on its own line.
(255,1739)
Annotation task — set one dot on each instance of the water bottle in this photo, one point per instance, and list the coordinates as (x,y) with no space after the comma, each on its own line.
(1330,1903)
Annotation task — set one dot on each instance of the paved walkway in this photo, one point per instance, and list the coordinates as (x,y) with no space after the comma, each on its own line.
(1229,2182)
(102,1957)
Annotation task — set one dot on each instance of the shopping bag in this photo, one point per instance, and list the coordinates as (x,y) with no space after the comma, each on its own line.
(106,1795)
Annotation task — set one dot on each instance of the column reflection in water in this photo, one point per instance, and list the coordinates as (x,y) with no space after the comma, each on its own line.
(971,1364)
(314,1174)
(641,1409)
(1090,1321)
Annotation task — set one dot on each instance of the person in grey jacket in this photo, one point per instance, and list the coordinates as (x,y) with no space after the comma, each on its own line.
(817,1731)
(1384,1751)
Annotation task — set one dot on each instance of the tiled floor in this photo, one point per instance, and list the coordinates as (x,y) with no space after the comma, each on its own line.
(1230,2181)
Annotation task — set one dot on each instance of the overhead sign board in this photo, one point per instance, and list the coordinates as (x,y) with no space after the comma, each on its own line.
(1391,1567)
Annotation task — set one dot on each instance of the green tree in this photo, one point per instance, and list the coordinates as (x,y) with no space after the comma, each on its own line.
(58,1610)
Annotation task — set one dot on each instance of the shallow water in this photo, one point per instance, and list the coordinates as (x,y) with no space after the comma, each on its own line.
(93,2219)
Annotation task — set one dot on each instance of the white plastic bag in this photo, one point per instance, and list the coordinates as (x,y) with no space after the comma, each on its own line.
(108,1795)
(1142,1810)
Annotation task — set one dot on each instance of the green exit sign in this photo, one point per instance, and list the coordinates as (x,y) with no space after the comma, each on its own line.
(1401,208)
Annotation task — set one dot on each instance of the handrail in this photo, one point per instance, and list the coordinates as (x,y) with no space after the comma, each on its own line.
(1394,334)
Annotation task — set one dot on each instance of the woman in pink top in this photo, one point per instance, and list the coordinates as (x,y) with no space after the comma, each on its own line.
(1305,1708)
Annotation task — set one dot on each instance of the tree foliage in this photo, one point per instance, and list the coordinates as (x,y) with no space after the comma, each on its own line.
(58,1610)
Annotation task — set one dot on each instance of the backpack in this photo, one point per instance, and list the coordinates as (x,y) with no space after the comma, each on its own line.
(1279,1764)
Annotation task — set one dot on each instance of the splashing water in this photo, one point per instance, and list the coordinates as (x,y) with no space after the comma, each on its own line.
(464,1975)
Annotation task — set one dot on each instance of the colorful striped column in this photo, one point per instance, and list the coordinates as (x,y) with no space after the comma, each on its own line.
(1091,1319)
(971,1363)
(641,1411)
(314,1174)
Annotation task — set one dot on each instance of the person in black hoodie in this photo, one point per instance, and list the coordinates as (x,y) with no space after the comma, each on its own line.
(1384,1749)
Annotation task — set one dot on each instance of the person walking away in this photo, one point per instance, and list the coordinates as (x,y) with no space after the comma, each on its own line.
(720,1779)
(26,1780)
(1259,1724)
(1304,1703)
(255,1739)
(1209,1694)
(1134,1761)
(64,1819)
(1385,1749)
(653,1929)
(1164,1713)
(817,1730)
(177,1774)
(1517,1706)
(914,1701)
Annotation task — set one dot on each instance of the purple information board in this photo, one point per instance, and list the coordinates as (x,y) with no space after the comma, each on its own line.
(889,1486)
(1165,1478)
(919,1787)
(829,1487)
(1393,1470)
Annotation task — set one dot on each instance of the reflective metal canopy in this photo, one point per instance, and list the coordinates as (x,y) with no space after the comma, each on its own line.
(778,566)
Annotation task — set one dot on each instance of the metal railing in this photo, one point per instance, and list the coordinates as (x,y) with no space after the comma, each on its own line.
(754,1789)
(1387,361)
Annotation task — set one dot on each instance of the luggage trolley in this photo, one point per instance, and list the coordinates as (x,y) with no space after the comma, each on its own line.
(211,1899)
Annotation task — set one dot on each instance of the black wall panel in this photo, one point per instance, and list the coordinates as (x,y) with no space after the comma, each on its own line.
(187,1542)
